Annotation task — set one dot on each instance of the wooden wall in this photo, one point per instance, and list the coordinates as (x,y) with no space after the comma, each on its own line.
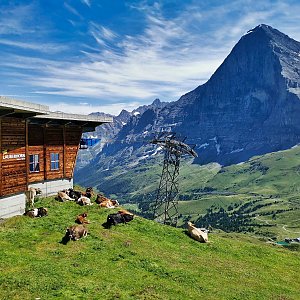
(13,161)
(18,140)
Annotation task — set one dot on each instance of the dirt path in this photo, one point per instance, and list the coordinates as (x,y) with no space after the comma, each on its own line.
(283,226)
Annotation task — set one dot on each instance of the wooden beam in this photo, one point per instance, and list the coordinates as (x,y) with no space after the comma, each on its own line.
(72,172)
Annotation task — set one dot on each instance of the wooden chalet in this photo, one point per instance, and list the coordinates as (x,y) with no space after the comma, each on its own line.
(38,149)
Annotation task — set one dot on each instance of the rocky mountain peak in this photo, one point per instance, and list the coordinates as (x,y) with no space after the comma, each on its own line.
(266,29)
(250,106)
(124,115)
(156,102)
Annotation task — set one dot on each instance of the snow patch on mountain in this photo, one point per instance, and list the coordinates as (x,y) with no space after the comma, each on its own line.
(237,150)
(295,91)
(203,146)
(157,150)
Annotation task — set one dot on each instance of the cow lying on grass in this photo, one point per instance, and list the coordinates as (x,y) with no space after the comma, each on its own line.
(106,202)
(120,217)
(81,219)
(74,233)
(83,200)
(88,192)
(30,194)
(197,233)
(63,196)
(74,194)
(37,212)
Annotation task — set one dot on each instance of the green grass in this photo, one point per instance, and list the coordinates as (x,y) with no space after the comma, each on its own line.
(139,260)
(274,177)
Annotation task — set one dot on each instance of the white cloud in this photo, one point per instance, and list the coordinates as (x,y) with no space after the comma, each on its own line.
(163,60)
(169,57)
(101,34)
(42,47)
(72,10)
(16,20)
(87,2)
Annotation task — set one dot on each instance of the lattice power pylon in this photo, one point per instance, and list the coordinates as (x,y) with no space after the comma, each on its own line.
(165,209)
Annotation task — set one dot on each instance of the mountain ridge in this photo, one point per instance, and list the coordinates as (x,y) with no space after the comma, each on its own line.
(246,108)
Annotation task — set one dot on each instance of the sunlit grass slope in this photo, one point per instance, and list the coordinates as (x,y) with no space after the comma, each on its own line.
(139,260)
(272,179)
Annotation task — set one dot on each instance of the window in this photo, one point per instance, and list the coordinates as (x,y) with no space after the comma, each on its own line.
(34,163)
(54,161)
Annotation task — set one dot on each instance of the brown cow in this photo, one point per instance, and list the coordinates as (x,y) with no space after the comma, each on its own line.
(106,202)
(76,232)
(88,192)
(100,198)
(81,219)
(124,212)
(30,194)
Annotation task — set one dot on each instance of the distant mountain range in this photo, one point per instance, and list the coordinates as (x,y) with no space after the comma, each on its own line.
(250,106)
(107,133)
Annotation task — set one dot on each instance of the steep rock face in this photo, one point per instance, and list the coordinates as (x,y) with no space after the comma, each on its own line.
(249,106)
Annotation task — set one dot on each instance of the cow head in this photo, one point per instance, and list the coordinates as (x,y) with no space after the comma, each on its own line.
(38,191)
(42,211)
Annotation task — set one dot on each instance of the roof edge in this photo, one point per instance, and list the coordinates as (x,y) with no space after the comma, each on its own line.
(75,117)
(23,105)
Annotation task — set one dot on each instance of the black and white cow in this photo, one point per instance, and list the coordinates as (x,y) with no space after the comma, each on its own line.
(74,194)
(118,218)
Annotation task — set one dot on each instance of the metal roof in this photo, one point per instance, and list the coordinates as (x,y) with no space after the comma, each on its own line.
(41,114)
(74,117)
(10,106)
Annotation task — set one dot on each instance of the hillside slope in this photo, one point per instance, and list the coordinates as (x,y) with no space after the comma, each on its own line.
(140,260)
(267,186)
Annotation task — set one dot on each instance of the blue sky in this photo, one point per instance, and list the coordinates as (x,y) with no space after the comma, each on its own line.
(81,56)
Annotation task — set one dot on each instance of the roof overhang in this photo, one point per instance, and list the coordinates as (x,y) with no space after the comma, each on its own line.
(21,109)
(87,122)
(40,114)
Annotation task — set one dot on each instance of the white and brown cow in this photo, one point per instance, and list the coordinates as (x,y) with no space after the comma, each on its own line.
(106,202)
(63,196)
(30,194)
(37,212)
(197,233)
(83,200)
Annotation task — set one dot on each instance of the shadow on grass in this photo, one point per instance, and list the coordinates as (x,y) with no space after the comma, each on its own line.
(106,225)
(65,240)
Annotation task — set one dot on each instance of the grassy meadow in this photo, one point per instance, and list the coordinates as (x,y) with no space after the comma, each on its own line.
(270,183)
(139,260)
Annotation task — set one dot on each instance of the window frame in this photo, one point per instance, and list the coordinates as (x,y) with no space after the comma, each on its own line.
(35,163)
(54,161)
